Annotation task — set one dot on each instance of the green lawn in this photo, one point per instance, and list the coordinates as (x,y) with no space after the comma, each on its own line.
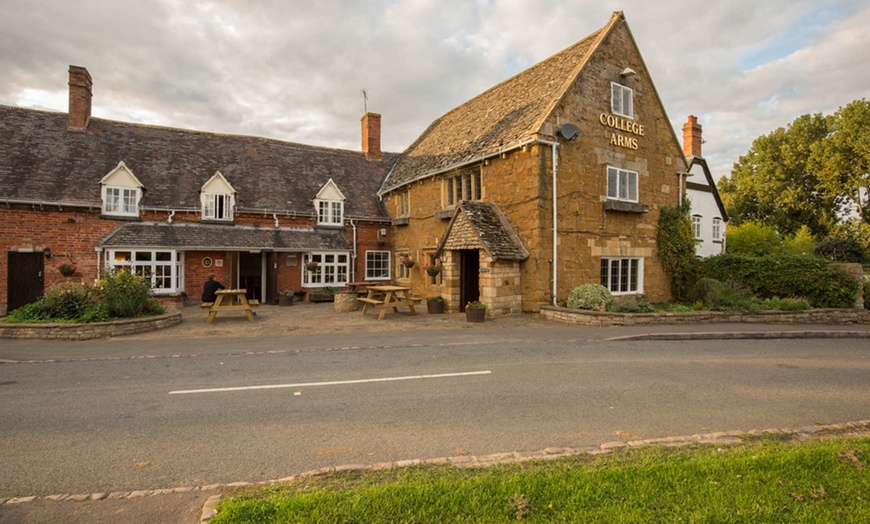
(762,480)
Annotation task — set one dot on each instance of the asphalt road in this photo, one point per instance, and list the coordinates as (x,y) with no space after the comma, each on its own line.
(104,425)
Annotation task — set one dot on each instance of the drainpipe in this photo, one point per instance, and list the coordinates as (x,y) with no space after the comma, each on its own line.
(353,257)
(554,145)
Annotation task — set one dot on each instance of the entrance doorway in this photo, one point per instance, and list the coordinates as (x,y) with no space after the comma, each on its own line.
(469,277)
(25,279)
(251,275)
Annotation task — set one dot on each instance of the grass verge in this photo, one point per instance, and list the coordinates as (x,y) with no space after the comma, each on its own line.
(824,480)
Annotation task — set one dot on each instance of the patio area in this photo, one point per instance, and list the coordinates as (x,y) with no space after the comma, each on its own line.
(321,318)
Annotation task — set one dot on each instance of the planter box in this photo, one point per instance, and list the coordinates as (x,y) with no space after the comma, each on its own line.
(475,315)
(322,297)
(285,300)
(435,307)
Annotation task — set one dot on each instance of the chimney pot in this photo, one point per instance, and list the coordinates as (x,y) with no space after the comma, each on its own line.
(371,136)
(692,137)
(80,94)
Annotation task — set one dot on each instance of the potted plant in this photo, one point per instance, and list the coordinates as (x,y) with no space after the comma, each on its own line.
(408,262)
(285,298)
(66,268)
(475,311)
(433,269)
(435,304)
(312,266)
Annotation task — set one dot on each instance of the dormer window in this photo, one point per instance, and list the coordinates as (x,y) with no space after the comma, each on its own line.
(121,192)
(329,204)
(218,199)
(621,100)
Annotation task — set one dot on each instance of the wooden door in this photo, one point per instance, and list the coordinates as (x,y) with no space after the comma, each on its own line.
(25,279)
(469,277)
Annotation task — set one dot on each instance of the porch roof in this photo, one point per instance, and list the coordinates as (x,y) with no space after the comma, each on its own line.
(492,229)
(190,237)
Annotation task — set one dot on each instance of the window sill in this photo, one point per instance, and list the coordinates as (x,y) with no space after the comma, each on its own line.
(127,218)
(404,221)
(625,207)
(446,214)
(217,222)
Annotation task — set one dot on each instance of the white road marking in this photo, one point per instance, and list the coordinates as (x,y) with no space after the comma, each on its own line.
(334,383)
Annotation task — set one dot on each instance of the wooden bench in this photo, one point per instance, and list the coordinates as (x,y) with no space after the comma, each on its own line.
(372,301)
(206,305)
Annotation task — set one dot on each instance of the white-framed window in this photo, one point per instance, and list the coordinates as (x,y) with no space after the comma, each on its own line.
(377,265)
(696,226)
(717,229)
(466,186)
(121,201)
(164,268)
(330,212)
(621,184)
(332,269)
(217,206)
(621,100)
(623,275)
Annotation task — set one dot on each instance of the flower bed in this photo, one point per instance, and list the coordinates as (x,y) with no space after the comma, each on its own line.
(90,330)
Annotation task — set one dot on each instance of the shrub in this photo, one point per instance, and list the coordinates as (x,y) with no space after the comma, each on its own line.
(123,293)
(701,288)
(841,250)
(753,239)
(67,302)
(867,294)
(785,304)
(815,279)
(730,296)
(32,312)
(589,296)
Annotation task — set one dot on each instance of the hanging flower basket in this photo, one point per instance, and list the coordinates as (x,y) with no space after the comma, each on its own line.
(312,266)
(433,269)
(66,269)
(408,262)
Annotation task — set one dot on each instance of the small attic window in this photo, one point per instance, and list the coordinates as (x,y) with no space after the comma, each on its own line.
(329,204)
(120,192)
(218,198)
(621,100)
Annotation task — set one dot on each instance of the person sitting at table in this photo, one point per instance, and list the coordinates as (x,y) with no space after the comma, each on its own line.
(208,289)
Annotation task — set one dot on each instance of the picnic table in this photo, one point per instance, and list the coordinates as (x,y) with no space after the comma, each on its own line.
(394,297)
(230,300)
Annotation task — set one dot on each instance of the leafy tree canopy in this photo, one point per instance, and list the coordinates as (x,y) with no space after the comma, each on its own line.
(809,173)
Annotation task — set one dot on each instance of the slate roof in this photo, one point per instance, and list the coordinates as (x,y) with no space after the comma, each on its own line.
(192,236)
(499,119)
(41,161)
(492,228)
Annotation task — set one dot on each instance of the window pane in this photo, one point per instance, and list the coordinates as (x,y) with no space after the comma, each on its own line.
(632,186)
(467,179)
(627,107)
(477,192)
(623,185)
(143,256)
(604,280)
(612,187)
(615,99)
(450,191)
(634,273)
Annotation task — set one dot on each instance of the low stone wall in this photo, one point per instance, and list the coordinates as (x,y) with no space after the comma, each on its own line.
(603,318)
(63,331)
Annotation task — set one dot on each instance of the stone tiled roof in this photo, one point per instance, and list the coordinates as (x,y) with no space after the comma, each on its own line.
(192,236)
(502,117)
(490,229)
(42,162)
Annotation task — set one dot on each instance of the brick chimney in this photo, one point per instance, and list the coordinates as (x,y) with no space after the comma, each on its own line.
(692,137)
(371,136)
(80,94)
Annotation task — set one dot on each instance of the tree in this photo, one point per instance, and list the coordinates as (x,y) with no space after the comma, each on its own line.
(774,184)
(676,247)
(842,159)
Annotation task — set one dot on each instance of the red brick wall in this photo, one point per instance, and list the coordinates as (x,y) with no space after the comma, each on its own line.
(77,233)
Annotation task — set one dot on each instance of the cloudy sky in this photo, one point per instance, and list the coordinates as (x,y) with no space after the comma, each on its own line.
(296,70)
